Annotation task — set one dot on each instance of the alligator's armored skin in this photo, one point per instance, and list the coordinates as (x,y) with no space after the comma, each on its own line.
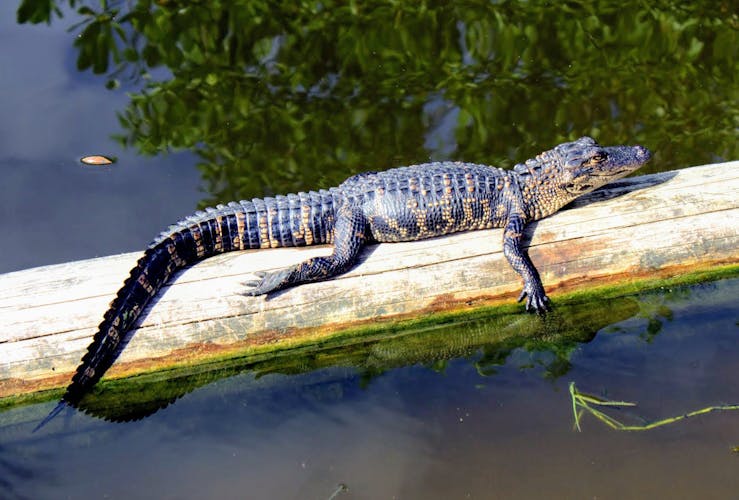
(401,204)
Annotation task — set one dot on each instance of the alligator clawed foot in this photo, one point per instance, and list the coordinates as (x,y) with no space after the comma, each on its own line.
(268,282)
(536,300)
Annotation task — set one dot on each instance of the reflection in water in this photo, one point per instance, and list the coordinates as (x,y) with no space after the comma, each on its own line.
(655,311)
(487,343)
(411,416)
(285,96)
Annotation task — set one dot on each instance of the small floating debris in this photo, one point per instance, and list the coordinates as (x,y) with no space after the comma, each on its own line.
(97,160)
(341,487)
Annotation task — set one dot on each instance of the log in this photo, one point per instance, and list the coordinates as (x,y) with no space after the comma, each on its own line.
(638,228)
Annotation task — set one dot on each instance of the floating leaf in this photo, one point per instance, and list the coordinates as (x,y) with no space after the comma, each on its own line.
(97,160)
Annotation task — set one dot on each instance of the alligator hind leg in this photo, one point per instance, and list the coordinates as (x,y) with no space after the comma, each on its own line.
(349,238)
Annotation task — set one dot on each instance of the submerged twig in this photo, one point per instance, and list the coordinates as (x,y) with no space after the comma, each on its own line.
(341,487)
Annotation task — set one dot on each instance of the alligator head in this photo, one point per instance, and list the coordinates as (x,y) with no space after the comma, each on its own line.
(556,177)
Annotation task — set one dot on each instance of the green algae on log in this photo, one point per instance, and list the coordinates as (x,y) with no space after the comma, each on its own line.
(489,334)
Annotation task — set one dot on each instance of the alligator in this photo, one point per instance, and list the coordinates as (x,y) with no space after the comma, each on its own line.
(400,204)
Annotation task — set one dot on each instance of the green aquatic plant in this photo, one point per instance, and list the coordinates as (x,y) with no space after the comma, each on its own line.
(583,402)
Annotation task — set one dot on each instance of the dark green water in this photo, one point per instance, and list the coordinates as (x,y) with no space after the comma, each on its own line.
(214,101)
(427,419)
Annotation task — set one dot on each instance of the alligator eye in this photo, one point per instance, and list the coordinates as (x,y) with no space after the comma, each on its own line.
(598,158)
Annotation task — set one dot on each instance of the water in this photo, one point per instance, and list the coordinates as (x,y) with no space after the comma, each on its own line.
(248,98)
(221,102)
(53,208)
(493,421)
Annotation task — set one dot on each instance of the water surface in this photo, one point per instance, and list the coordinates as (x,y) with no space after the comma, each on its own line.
(494,422)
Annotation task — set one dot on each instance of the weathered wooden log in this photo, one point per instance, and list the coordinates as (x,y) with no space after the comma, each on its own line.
(639,228)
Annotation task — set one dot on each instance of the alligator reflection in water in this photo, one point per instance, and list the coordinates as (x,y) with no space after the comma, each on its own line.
(487,343)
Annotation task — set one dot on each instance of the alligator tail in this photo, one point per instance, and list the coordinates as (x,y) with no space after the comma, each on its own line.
(293,220)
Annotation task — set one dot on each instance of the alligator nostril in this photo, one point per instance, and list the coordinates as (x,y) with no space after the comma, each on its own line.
(643,153)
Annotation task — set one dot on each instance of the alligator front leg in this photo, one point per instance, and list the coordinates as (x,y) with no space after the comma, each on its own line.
(518,258)
(349,238)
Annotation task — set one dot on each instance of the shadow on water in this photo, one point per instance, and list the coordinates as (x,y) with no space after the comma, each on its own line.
(281,97)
